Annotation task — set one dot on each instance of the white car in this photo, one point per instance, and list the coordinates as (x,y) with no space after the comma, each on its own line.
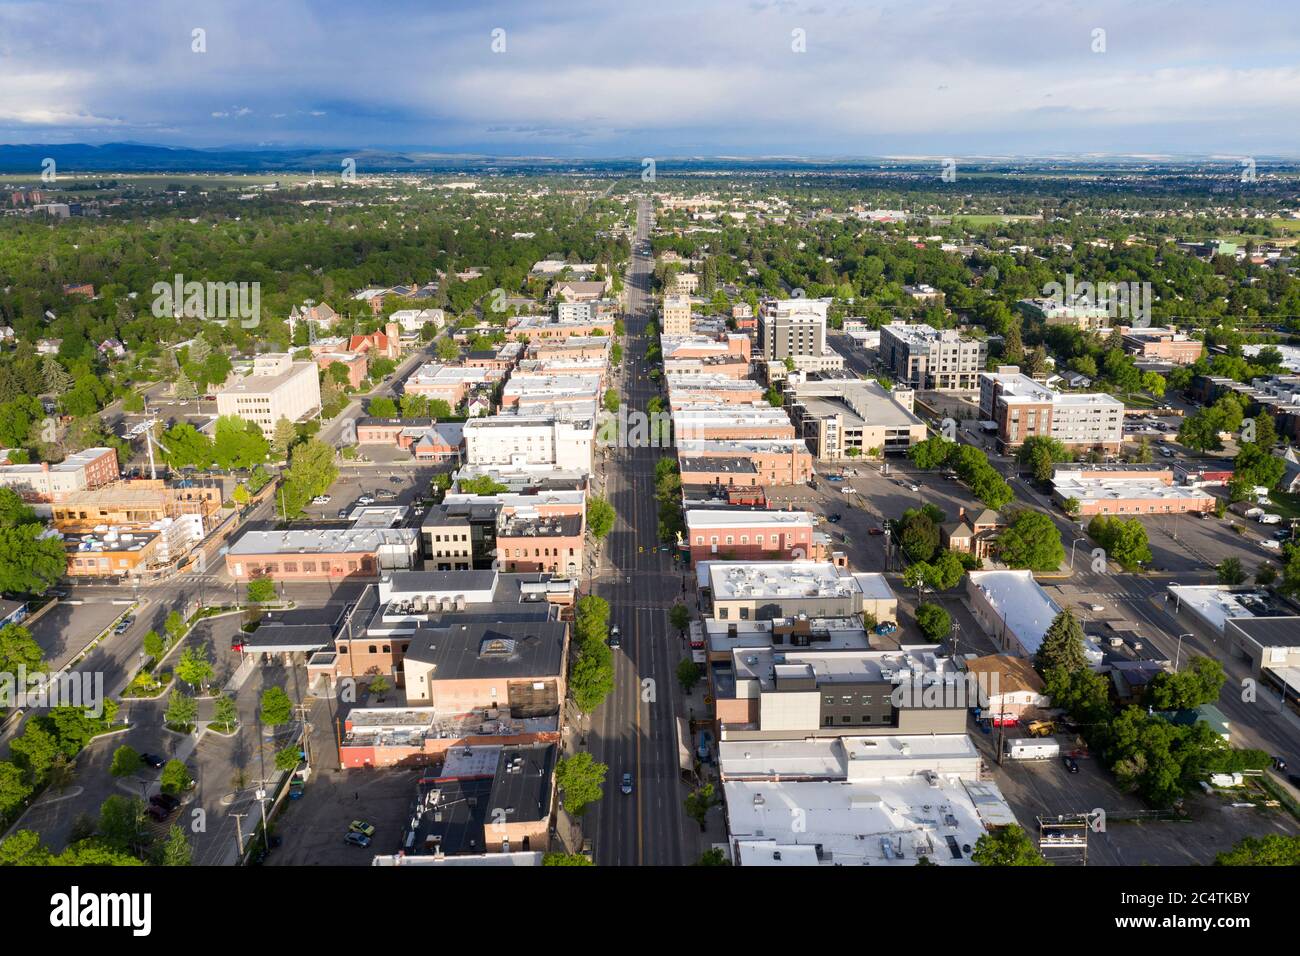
(1096,608)
(365,500)
(321,500)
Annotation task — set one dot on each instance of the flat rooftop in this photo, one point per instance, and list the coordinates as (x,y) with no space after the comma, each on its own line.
(729,580)
(1020,601)
(698,518)
(323,541)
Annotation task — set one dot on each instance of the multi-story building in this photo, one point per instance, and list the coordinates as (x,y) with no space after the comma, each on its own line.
(720,422)
(752,535)
(458,667)
(929,358)
(790,328)
(752,462)
(1162,344)
(1080,314)
(1021,408)
(846,418)
(538,327)
(451,383)
(278,387)
(322,554)
(784,693)
(43,483)
(1127,490)
(563,442)
(772,590)
(676,315)
(686,390)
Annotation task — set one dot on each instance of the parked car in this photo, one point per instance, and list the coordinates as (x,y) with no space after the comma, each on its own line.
(356,839)
(321,500)
(1096,608)
(365,500)
(152,760)
(1071,764)
(158,813)
(626,786)
(124,625)
(343,512)
(875,531)
(886,627)
(835,518)
(385,494)
(164,800)
(834,478)
(362,827)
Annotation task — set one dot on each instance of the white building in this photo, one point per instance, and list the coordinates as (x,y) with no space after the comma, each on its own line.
(278,387)
(518,440)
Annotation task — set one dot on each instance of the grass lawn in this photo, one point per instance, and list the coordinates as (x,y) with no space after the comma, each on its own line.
(1288,506)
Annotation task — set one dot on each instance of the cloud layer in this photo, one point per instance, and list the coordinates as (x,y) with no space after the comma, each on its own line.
(672,78)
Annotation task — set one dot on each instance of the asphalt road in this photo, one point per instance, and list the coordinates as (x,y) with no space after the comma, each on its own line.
(635,730)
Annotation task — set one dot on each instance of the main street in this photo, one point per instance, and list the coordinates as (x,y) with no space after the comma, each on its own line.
(635,730)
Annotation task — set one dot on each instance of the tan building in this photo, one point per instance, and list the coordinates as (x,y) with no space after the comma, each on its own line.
(676,315)
(1122,491)
(112,554)
(1165,344)
(278,387)
(126,504)
(43,482)
(529,541)
(771,462)
(519,666)
(1022,408)
(1013,686)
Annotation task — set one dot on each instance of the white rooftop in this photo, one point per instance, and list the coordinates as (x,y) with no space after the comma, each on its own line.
(702,518)
(1020,601)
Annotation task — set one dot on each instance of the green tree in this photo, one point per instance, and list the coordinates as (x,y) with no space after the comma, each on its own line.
(918,535)
(382,407)
(600,517)
(1199,683)
(126,761)
(195,668)
(35,752)
(1062,645)
(1007,846)
(282,438)
(1124,540)
(565,859)
(176,777)
(24,848)
(287,758)
(592,679)
(14,791)
(934,621)
(1230,571)
(580,780)
(679,616)
(699,803)
(1275,849)
(238,443)
(1031,540)
(181,712)
(1039,454)
(174,626)
(712,857)
(688,674)
(225,713)
(19,649)
(176,850)
(277,708)
(31,558)
(611,400)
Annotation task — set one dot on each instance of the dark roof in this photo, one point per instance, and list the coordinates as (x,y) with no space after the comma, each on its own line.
(522,785)
(330,615)
(473,650)
(1269,631)
(739,466)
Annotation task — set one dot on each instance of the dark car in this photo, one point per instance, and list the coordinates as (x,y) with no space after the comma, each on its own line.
(875,531)
(158,813)
(835,519)
(152,760)
(615,636)
(164,800)
(357,839)
(1071,764)
(626,786)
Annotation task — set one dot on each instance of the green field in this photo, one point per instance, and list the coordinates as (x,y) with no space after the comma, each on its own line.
(991,220)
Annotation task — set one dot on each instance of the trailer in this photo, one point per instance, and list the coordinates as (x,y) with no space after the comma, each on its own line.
(1031,748)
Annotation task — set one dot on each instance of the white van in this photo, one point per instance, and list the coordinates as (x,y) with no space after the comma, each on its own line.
(1271,545)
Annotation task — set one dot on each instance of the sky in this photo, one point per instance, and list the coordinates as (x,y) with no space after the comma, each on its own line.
(668,78)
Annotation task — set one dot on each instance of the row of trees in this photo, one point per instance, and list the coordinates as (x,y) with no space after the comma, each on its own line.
(970,464)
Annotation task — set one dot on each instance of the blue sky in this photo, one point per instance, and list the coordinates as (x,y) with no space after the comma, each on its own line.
(667,78)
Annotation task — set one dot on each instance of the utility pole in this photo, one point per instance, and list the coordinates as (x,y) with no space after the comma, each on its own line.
(239,832)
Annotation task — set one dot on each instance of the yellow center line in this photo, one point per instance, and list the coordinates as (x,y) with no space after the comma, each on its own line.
(636,629)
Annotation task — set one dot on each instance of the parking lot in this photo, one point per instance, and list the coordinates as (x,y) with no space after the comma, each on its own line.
(1131,837)
(312,828)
